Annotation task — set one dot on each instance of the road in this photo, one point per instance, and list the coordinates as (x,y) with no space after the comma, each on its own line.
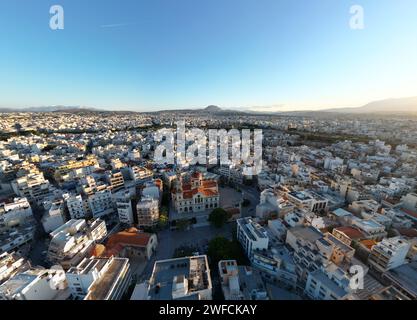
(252,194)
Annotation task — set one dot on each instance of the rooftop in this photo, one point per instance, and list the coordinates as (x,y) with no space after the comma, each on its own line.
(405,276)
(308,233)
(101,289)
(194,269)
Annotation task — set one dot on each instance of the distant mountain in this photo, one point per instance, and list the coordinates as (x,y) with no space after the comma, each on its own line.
(382,107)
(50,109)
(391,106)
(213,109)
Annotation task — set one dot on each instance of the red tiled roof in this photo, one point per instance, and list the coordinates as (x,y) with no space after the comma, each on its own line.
(410,213)
(209,184)
(197,175)
(368,243)
(408,232)
(98,250)
(351,232)
(205,192)
(129,237)
(186,187)
(208,192)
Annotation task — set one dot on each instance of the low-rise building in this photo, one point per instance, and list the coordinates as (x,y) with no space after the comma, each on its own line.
(36,284)
(132,243)
(180,279)
(240,282)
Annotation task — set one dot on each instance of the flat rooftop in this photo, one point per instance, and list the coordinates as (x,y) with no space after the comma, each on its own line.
(321,277)
(341,213)
(405,276)
(252,229)
(166,270)
(302,196)
(101,288)
(307,233)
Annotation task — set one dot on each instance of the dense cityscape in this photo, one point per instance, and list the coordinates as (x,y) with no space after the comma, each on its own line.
(194,159)
(87,214)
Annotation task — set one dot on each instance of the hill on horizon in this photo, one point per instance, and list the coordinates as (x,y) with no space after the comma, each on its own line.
(394,106)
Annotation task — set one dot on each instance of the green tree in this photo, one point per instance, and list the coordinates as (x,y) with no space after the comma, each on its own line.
(218,217)
(220,248)
(246,203)
(184,251)
(183,224)
(163,220)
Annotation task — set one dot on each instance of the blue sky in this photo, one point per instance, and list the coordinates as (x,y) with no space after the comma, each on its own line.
(162,54)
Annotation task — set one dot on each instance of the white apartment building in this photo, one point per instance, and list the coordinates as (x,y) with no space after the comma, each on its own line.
(72,241)
(295,218)
(13,238)
(140,174)
(15,213)
(409,202)
(389,254)
(147,212)
(320,286)
(36,284)
(251,235)
(277,228)
(231,173)
(99,278)
(305,243)
(124,207)
(33,186)
(10,264)
(269,203)
(275,264)
(366,208)
(76,206)
(54,217)
(308,200)
(116,180)
(101,203)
